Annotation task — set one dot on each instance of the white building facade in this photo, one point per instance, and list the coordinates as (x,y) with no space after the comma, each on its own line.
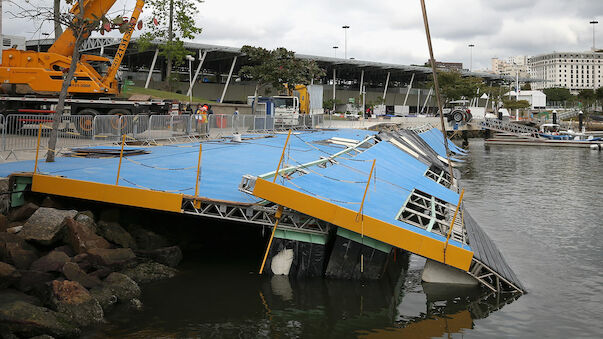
(511,66)
(537,99)
(571,70)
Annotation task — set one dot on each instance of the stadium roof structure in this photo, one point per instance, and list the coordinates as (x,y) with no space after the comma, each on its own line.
(219,59)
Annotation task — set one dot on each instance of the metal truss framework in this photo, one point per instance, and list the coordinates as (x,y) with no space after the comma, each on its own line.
(422,128)
(255,214)
(97,43)
(508,127)
(439,175)
(489,278)
(433,215)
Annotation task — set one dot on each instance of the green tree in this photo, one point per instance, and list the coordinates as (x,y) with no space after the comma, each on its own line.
(599,93)
(276,68)
(526,87)
(587,97)
(557,94)
(496,94)
(454,86)
(171,21)
(513,104)
(81,28)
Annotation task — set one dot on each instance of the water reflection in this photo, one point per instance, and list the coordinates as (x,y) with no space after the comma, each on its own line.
(211,301)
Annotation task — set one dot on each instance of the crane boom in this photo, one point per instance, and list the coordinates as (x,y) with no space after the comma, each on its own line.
(93,10)
(123,45)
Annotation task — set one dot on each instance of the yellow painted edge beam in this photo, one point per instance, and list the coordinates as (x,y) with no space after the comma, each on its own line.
(88,190)
(343,217)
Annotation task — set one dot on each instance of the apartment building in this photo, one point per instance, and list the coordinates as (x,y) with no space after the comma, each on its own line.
(511,66)
(572,70)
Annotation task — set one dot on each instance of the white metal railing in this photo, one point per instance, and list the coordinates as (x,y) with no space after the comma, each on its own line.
(20,131)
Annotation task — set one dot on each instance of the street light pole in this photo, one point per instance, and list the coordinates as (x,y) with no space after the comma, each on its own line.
(471,57)
(345,42)
(335,49)
(190,59)
(594,22)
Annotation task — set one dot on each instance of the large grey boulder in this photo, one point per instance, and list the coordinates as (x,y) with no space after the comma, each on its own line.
(123,286)
(74,273)
(8,275)
(16,251)
(86,218)
(112,257)
(115,288)
(150,271)
(116,234)
(81,236)
(51,262)
(45,225)
(105,296)
(72,299)
(170,256)
(22,315)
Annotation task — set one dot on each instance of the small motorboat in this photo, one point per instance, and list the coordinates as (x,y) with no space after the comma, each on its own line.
(553,132)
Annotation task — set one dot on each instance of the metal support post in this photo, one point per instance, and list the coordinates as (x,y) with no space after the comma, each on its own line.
(234,61)
(408,89)
(121,155)
(146,85)
(198,170)
(418,99)
(334,78)
(361,82)
(202,59)
(517,94)
(38,146)
(385,89)
(363,99)
(426,99)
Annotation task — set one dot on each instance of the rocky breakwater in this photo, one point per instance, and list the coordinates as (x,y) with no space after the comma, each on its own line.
(62,270)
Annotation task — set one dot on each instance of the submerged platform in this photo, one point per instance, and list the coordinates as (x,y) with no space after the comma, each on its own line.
(543,142)
(410,205)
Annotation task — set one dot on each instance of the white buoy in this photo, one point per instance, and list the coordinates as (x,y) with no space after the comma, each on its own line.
(236,137)
(596,147)
(436,272)
(281,263)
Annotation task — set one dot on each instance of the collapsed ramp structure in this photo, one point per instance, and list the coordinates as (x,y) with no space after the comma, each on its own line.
(348,203)
(385,191)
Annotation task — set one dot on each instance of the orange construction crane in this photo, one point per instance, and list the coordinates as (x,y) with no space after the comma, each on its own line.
(30,72)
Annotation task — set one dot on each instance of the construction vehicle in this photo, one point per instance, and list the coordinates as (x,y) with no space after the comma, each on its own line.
(300,100)
(31,81)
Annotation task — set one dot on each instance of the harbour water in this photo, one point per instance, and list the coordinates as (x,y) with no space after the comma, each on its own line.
(541,206)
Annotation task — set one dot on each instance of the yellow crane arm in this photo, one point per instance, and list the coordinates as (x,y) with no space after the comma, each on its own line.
(93,10)
(123,45)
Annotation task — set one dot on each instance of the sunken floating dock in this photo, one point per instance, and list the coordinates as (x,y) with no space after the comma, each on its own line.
(348,201)
(541,142)
(509,133)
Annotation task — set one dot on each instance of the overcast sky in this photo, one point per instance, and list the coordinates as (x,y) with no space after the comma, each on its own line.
(387,30)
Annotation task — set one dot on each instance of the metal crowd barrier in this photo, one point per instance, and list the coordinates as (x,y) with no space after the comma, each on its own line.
(20,131)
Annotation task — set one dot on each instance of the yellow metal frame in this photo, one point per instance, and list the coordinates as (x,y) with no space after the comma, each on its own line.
(128,196)
(343,217)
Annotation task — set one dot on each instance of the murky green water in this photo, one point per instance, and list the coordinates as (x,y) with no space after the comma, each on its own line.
(543,208)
